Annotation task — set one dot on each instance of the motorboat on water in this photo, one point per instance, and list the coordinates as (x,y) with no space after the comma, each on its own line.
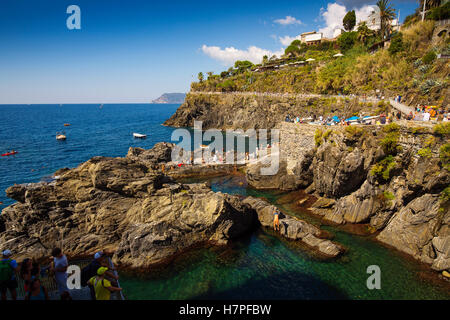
(67,124)
(139,136)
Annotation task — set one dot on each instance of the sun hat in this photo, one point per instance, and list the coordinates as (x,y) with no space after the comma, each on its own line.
(101,270)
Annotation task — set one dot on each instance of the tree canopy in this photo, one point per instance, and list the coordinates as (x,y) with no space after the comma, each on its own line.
(349,21)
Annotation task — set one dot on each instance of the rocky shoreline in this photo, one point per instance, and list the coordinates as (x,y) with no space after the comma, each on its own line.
(131,208)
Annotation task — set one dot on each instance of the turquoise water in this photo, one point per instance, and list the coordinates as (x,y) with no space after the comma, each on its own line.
(264,266)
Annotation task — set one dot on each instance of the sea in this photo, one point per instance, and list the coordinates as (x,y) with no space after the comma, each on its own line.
(259,266)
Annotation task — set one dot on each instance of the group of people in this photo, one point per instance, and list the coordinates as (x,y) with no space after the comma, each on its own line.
(427,113)
(215,157)
(100,279)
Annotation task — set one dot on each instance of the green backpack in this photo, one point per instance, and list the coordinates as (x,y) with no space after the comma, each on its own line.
(6,272)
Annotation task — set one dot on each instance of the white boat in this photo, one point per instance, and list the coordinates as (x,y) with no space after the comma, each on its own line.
(60,137)
(139,136)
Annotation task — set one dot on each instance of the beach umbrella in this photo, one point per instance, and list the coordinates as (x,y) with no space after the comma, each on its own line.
(352,118)
(338,55)
(310,59)
(335,118)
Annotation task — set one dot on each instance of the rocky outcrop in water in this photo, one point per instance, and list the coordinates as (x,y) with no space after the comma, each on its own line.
(122,205)
(294,229)
(130,207)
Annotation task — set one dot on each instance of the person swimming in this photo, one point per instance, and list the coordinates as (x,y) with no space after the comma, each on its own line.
(276,221)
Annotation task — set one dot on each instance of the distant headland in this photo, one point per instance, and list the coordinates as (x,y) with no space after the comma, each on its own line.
(168,98)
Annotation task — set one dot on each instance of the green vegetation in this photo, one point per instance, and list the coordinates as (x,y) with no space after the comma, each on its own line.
(397,44)
(445,196)
(439,13)
(387,197)
(353,131)
(349,21)
(429,57)
(425,153)
(387,14)
(442,129)
(347,40)
(318,137)
(444,155)
(392,127)
(382,170)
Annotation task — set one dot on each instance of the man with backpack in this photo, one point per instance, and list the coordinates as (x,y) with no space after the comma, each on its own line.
(91,270)
(7,275)
(102,287)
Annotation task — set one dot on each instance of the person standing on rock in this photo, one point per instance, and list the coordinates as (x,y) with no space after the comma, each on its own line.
(59,267)
(276,221)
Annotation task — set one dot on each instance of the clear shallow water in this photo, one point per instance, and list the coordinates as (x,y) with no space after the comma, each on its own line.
(260,266)
(263,266)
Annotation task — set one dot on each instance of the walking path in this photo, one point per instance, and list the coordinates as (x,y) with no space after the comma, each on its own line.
(289,95)
(401,107)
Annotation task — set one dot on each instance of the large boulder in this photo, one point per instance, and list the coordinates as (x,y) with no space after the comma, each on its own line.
(420,229)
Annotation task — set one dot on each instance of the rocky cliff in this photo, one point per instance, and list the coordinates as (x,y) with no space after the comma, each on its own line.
(394,179)
(259,111)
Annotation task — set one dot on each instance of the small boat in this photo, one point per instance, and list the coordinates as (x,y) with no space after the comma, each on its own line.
(60,137)
(139,136)
(10,153)
(66,124)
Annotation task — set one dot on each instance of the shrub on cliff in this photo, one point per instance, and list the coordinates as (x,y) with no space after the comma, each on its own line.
(429,57)
(442,129)
(382,170)
(397,44)
(425,153)
(444,155)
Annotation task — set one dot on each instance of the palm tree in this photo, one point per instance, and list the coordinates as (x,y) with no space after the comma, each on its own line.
(200,76)
(364,32)
(430,4)
(387,14)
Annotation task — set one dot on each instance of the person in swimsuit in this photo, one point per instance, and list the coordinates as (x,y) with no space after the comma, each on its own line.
(276,222)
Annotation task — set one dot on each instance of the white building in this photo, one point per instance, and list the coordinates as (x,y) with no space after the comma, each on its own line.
(373,21)
(311,38)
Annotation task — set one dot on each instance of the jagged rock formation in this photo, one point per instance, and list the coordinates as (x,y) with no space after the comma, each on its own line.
(122,205)
(390,179)
(130,207)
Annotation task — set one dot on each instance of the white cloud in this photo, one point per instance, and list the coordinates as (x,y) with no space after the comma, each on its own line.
(287,40)
(287,21)
(230,54)
(335,13)
(333,18)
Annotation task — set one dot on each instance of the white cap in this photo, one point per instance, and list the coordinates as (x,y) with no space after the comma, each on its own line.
(98,255)
(6,253)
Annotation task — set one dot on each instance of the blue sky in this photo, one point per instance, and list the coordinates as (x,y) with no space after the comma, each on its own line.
(135,50)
